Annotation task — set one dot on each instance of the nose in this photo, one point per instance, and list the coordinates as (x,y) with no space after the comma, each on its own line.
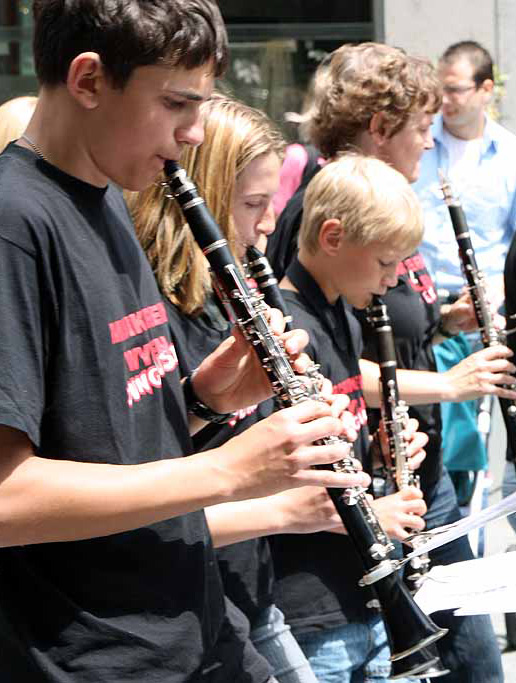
(390,279)
(267,222)
(191,132)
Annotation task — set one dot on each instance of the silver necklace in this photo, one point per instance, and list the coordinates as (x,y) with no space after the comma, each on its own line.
(34,147)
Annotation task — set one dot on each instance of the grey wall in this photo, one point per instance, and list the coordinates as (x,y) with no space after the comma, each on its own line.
(427,27)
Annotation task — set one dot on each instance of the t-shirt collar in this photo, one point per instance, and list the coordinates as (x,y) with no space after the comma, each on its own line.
(333,316)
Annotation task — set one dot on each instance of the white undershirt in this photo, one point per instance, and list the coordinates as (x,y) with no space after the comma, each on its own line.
(464,157)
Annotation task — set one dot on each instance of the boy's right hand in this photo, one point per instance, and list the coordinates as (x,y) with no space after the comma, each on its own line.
(278,453)
(401,511)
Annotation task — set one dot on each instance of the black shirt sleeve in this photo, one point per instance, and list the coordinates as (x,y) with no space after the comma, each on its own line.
(22,358)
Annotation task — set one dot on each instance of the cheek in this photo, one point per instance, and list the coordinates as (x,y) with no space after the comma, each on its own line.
(242,224)
(366,274)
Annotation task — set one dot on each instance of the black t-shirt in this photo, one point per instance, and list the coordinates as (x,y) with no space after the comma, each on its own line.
(317,574)
(282,243)
(246,567)
(414,311)
(92,377)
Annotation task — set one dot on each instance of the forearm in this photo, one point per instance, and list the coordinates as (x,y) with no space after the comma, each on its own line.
(239,521)
(76,500)
(416,387)
(43,500)
(305,510)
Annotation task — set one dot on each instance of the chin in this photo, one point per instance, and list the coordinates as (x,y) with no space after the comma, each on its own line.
(413,175)
(362,303)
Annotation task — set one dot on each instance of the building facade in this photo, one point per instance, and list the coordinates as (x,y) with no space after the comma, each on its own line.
(276,46)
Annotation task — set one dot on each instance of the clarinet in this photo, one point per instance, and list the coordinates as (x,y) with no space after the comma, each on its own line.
(415,661)
(476,284)
(248,310)
(395,418)
(394,410)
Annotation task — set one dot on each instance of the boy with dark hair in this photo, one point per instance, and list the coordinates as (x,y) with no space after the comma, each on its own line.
(108,571)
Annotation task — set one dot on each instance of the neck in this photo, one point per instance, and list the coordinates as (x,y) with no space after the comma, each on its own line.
(319,267)
(365,144)
(55,129)
(467,131)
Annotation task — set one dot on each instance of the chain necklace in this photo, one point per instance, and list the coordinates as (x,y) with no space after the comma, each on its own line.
(34,147)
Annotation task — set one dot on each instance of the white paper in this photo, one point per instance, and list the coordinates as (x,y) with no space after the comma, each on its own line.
(435,538)
(483,586)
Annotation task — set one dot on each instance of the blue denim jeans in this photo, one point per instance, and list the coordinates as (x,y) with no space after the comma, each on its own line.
(274,640)
(469,649)
(353,653)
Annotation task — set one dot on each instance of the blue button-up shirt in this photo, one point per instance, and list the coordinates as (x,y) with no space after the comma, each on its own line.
(488,198)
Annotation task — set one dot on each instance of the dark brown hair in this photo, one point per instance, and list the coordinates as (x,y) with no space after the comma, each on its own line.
(477,56)
(127,34)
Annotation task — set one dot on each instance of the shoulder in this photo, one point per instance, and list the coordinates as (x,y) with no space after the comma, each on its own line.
(301,313)
(295,156)
(305,318)
(501,134)
(22,203)
(290,217)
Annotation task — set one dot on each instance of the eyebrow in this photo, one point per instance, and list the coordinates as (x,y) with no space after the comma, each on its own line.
(188,94)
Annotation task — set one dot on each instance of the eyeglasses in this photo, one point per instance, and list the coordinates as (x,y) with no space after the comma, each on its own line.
(458,89)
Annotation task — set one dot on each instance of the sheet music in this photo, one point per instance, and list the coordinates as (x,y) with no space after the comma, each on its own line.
(438,537)
(483,586)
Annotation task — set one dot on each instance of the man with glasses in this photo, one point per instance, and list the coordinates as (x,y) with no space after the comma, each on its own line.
(477,155)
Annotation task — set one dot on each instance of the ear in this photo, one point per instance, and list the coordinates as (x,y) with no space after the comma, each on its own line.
(85,79)
(331,236)
(488,87)
(378,128)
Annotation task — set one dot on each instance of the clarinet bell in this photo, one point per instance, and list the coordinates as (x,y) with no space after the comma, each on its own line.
(409,629)
(424,663)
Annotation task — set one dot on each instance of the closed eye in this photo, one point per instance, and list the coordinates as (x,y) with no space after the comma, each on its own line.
(173,104)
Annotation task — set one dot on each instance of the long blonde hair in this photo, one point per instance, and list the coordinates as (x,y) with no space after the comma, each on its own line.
(15,115)
(235,134)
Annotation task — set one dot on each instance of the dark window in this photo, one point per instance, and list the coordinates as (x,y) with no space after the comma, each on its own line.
(16,64)
(343,11)
(277,45)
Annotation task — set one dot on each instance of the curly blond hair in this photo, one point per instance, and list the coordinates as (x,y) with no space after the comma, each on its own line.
(234,135)
(365,79)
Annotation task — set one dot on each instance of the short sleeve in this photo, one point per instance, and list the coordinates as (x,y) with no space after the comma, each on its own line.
(22,354)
